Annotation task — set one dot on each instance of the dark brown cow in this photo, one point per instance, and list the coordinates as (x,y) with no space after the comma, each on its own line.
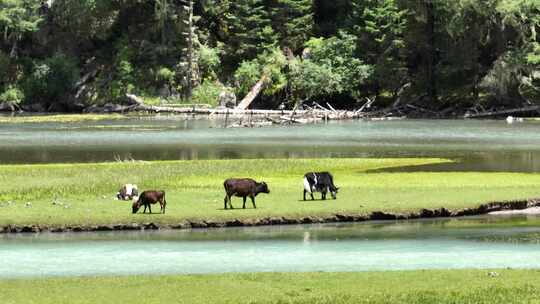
(148,198)
(243,187)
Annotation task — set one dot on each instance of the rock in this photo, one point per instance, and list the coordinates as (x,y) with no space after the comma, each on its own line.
(227,99)
(114,107)
(7,107)
(198,225)
(235,223)
(134,100)
(150,226)
(378,215)
(103,228)
(164,91)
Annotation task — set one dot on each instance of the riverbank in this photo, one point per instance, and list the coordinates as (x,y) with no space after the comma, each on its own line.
(80,197)
(433,286)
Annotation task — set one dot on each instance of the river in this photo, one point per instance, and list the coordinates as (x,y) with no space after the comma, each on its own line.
(475,145)
(481,242)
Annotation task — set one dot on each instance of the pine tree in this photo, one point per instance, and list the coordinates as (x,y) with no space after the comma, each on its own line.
(17,18)
(249,30)
(293,21)
(380,27)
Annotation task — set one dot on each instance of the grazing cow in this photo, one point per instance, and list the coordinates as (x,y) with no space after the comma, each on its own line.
(243,187)
(148,198)
(127,192)
(319,182)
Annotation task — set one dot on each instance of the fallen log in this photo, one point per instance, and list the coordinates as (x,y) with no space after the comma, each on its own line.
(503,112)
(253,93)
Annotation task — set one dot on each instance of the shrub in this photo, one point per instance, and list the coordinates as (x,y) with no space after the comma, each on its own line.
(51,79)
(208,92)
(12,95)
(209,62)
(270,64)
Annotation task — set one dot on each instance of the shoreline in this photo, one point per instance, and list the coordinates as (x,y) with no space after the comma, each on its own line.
(517,207)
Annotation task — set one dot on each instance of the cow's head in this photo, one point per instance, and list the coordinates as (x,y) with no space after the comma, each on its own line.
(262,188)
(136,205)
(334,192)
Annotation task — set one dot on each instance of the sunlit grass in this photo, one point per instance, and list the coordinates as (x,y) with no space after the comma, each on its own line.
(433,286)
(60,118)
(84,193)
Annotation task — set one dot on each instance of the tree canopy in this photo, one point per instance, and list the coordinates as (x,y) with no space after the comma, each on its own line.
(439,54)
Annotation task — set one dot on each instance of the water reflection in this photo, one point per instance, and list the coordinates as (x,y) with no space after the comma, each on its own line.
(476,145)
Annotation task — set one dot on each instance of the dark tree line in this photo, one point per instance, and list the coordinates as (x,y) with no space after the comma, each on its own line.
(441,55)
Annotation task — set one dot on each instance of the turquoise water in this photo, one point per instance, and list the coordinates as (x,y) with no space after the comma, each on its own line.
(429,244)
(477,145)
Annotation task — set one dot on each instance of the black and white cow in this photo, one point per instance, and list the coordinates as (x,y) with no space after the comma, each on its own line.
(319,182)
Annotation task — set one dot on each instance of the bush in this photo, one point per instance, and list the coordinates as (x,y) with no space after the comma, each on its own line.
(12,95)
(164,76)
(208,92)
(270,64)
(209,62)
(51,79)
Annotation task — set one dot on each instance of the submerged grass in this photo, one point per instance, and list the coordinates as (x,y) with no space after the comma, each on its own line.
(60,118)
(83,194)
(433,286)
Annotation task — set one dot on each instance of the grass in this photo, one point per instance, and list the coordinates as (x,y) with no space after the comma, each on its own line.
(59,118)
(84,193)
(433,286)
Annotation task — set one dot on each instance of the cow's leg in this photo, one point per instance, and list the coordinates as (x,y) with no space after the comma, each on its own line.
(312,197)
(244,205)
(305,194)
(144,208)
(323,195)
(227,198)
(150,208)
(253,201)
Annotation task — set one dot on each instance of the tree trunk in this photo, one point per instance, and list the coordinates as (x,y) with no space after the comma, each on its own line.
(430,56)
(253,93)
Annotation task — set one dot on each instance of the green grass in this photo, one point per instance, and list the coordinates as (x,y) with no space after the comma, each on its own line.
(434,286)
(60,118)
(85,192)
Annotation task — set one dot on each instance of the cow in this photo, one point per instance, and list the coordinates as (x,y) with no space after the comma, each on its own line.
(148,198)
(319,182)
(243,187)
(127,192)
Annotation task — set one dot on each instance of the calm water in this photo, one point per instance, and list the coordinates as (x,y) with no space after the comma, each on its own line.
(478,145)
(433,244)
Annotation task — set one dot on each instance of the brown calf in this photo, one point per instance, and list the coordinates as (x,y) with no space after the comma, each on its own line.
(148,198)
(243,187)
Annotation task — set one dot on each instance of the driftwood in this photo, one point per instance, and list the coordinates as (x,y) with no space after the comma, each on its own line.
(366,105)
(253,93)
(503,112)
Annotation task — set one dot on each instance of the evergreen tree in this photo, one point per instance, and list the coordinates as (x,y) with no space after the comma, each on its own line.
(293,21)
(249,30)
(380,27)
(17,18)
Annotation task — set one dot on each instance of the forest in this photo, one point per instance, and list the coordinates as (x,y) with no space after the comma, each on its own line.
(446,57)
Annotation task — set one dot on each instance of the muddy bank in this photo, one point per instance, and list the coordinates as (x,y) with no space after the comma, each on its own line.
(503,207)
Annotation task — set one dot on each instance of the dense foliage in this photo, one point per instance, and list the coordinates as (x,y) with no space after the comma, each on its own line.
(442,55)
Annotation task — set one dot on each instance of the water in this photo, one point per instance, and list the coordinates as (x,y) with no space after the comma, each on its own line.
(483,242)
(477,145)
